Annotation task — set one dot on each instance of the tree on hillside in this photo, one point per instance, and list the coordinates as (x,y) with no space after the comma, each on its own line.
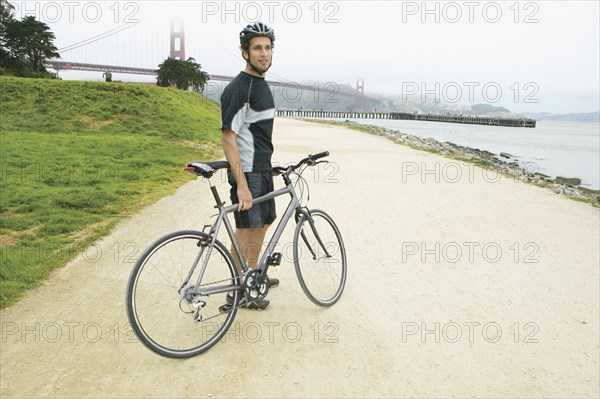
(30,42)
(184,74)
(24,45)
(6,9)
(6,17)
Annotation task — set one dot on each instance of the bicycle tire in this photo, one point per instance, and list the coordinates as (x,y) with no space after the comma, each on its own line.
(157,311)
(324,280)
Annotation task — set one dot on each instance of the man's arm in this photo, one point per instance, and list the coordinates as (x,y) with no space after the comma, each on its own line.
(232,154)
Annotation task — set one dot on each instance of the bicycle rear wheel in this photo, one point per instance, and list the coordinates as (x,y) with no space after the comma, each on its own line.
(163,312)
(320,258)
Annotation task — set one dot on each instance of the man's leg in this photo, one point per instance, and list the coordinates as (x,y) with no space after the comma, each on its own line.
(250,241)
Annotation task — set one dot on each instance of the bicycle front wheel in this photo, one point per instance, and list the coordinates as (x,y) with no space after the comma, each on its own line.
(320,258)
(163,305)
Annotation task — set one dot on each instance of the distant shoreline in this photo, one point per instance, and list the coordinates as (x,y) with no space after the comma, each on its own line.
(592,117)
(570,187)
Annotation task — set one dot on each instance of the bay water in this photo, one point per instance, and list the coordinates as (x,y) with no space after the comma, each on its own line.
(554,148)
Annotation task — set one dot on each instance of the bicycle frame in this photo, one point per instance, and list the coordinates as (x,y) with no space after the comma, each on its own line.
(293,206)
(152,297)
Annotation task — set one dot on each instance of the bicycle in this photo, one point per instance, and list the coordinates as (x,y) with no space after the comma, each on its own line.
(176,291)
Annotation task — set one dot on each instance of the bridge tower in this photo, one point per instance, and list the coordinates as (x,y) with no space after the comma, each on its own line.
(177,39)
(360,94)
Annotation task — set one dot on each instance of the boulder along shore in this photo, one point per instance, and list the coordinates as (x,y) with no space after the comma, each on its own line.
(510,166)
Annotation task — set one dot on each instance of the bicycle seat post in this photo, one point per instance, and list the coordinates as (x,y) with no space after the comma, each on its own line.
(215,193)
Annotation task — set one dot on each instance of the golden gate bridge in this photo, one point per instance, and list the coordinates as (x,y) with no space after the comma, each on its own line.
(177,51)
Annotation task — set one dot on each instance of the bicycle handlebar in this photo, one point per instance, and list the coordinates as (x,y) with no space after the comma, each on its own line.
(319,155)
(311,160)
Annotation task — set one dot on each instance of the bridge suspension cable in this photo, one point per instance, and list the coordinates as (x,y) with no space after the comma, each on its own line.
(93,39)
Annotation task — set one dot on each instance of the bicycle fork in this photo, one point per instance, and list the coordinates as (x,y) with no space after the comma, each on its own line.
(311,222)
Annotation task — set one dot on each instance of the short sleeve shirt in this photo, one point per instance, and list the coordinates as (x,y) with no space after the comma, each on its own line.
(248,109)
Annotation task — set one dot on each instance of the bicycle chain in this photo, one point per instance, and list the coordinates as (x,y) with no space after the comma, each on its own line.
(221,313)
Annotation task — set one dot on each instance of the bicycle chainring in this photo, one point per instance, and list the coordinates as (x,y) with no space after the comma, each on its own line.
(254,291)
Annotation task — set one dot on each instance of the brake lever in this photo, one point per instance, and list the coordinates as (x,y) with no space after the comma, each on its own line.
(278,170)
(312,162)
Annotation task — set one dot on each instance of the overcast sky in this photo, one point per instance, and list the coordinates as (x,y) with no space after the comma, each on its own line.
(526,56)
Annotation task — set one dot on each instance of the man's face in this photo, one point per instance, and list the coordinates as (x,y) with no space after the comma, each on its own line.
(260,53)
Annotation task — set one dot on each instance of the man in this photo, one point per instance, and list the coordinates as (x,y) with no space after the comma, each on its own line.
(247,114)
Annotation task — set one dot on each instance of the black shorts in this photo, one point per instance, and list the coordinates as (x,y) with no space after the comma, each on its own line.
(259,183)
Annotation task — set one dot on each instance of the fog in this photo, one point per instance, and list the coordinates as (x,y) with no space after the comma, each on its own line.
(526,56)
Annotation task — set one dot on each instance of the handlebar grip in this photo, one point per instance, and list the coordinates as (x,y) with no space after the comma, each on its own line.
(319,155)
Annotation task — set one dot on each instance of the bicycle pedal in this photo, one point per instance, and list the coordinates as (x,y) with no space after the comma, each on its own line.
(274,259)
(225,308)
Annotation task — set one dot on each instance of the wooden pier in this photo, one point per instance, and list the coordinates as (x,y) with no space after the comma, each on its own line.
(470,120)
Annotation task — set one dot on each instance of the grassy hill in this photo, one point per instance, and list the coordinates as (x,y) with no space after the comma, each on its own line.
(76,157)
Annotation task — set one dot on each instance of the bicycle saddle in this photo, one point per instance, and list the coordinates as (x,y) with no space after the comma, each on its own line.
(205,169)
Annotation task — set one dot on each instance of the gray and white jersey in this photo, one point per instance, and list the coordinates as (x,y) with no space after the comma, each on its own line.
(248,109)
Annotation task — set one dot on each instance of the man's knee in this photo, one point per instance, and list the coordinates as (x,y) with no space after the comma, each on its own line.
(249,232)
(252,231)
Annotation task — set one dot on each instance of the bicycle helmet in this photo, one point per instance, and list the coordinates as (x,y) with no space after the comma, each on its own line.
(254,30)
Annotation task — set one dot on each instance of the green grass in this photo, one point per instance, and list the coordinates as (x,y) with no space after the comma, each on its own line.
(76,157)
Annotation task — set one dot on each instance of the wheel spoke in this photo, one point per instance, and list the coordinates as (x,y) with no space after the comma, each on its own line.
(165,319)
(320,258)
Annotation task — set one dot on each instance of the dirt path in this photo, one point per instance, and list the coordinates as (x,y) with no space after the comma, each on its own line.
(461,283)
